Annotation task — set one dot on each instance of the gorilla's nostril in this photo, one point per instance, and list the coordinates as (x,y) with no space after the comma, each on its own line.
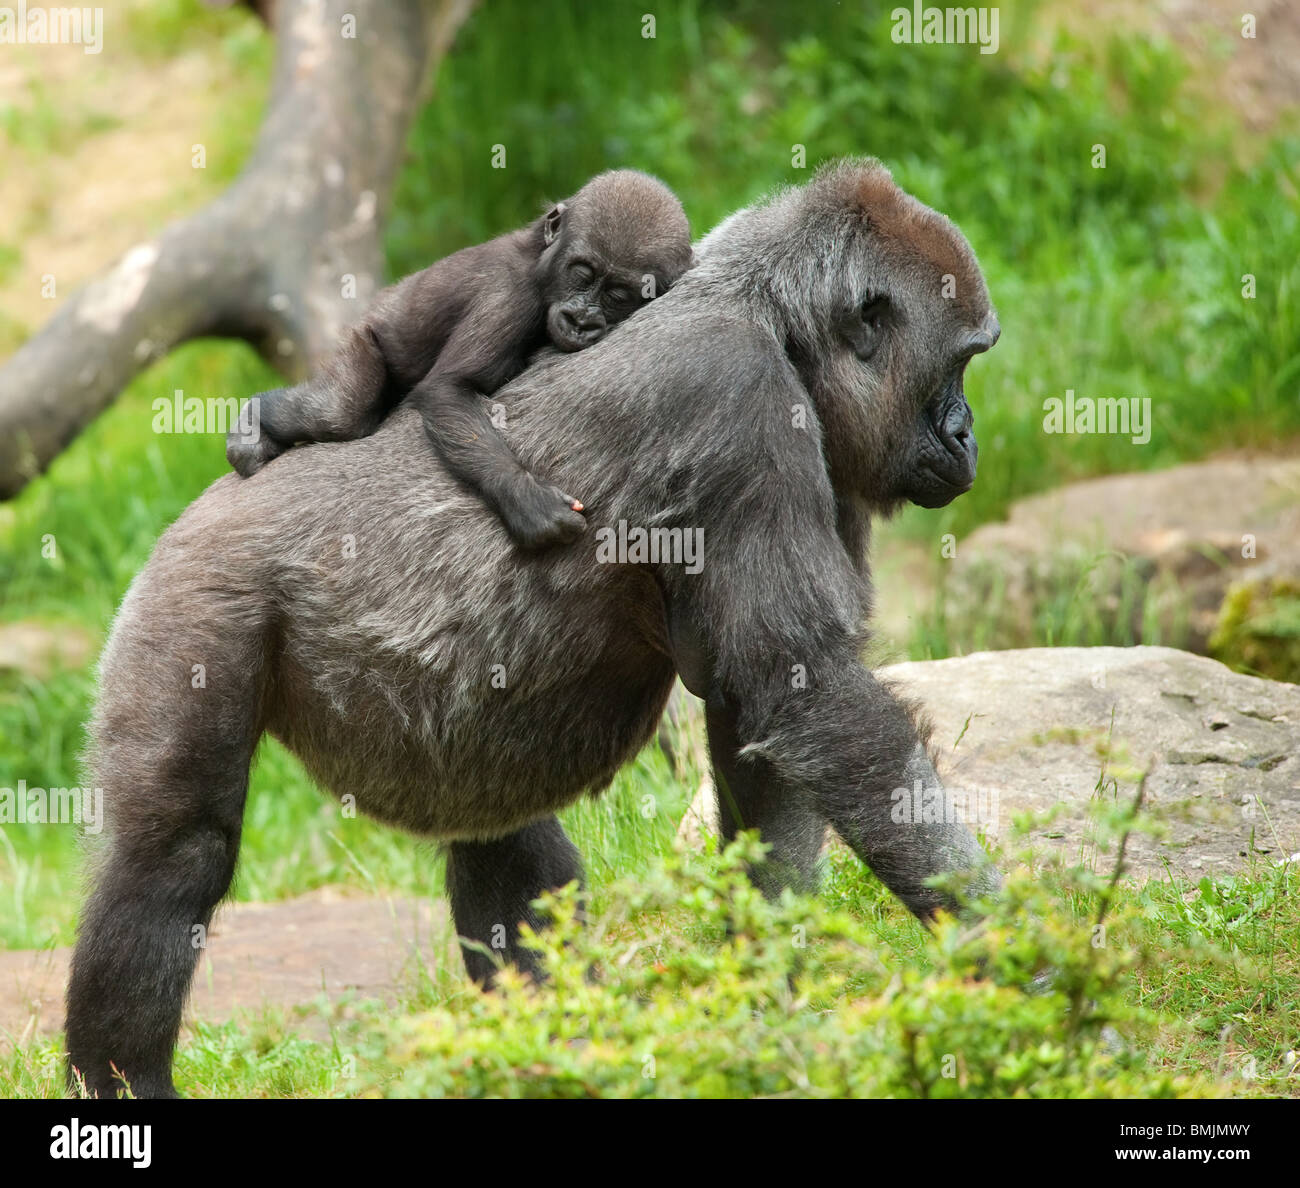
(956,424)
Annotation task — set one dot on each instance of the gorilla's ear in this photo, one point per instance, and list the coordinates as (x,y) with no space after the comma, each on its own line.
(553,222)
(864,326)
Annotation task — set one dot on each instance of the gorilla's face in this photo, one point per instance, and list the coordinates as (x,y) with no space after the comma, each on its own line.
(944,450)
(915,313)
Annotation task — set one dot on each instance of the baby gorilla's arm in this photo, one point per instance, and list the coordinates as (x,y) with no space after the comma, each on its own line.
(488,349)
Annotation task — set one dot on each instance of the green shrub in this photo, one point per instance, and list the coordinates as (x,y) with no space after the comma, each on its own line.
(1259,629)
(716,992)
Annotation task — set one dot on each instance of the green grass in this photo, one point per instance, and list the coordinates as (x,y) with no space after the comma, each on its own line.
(1116,282)
(696,970)
(1101,599)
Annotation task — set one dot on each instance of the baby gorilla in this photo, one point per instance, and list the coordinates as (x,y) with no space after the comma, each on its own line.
(468,324)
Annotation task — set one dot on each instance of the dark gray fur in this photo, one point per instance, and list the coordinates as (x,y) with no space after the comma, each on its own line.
(353,599)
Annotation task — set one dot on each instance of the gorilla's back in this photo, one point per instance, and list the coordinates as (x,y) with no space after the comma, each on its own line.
(413,646)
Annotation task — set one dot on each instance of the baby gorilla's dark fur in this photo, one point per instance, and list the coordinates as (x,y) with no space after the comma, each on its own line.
(468,324)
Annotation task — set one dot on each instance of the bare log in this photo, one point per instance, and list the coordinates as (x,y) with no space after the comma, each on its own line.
(269,260)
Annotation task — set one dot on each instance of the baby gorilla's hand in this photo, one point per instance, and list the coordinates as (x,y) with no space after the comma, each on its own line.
(539,515)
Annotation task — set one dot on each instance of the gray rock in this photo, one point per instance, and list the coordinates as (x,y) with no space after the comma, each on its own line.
(1056,728)
(1174,539)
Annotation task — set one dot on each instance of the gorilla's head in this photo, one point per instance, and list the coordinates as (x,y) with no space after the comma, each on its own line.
(880,328)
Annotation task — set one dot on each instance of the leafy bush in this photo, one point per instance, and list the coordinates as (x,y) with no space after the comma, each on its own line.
(716,992)
(1259,629)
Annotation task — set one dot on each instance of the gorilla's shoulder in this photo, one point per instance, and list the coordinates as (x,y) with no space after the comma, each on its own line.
(714,350)
(705,323)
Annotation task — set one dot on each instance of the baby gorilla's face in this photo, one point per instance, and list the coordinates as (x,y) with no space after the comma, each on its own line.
(619,242)
(605,252)
(588,297)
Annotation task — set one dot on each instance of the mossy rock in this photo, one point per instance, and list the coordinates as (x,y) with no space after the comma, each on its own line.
(1258,630)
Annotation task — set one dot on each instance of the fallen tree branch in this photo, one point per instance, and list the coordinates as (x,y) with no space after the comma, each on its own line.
(267,260)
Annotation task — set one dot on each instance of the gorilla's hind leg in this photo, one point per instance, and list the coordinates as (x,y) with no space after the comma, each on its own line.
(491,885)
(172,760)
(136,951)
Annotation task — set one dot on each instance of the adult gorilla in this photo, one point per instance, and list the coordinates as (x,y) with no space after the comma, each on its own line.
(373,616)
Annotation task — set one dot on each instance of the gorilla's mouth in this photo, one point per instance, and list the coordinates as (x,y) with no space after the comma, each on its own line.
(567,335)
(569,342)
(938,490)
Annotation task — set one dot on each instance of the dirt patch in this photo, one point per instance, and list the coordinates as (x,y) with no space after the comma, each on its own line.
(266,954)
(1254,76)
(38,649)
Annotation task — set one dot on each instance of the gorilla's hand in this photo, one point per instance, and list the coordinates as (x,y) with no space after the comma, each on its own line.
(538,515)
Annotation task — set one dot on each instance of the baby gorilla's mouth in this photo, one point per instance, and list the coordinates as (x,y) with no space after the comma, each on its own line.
(571,331)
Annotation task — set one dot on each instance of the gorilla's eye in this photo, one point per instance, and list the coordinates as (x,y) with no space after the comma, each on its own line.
(581,272)
(617,295)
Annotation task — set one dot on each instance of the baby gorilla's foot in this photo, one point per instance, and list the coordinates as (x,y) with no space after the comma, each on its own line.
(249,454)
(248,446)
(539,515)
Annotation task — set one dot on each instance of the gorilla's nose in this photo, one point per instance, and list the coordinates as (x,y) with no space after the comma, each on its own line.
(585,322)
(958,423)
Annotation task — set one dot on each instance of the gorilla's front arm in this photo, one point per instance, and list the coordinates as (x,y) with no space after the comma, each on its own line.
(843,753)
(770,635)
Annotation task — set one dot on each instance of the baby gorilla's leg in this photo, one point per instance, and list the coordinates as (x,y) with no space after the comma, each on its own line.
(344,402)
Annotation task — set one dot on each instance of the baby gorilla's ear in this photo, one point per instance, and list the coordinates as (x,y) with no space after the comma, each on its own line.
(553,222)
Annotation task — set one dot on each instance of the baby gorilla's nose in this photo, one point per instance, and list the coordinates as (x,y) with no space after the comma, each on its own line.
(584,324)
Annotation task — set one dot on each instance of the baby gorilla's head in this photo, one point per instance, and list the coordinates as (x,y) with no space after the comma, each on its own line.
(617,243)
